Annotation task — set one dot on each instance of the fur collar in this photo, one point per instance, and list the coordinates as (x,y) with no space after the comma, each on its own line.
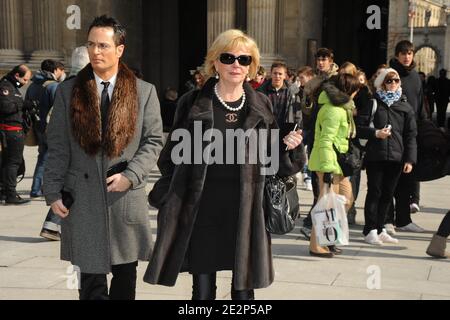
(337,97)
(85,113)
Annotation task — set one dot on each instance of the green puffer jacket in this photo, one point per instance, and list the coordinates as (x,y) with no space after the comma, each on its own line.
(332,127)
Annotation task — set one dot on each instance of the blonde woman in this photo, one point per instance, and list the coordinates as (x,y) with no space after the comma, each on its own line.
(212,216)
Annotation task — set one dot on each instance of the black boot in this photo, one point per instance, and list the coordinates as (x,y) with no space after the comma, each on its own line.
(351,215)
(15,199)
(204,286)
(2,196)
(242,295)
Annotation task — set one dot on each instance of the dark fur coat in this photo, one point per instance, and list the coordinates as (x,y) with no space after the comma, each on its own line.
(176,217)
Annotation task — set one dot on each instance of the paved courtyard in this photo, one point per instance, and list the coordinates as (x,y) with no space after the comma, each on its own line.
(30,267)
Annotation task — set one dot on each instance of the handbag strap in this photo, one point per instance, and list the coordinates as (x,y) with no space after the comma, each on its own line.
(363,142)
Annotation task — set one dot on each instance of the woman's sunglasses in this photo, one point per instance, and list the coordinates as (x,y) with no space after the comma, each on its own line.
(392,80)
(228,58)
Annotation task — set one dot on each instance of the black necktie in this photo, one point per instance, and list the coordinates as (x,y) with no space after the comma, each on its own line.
(104,106)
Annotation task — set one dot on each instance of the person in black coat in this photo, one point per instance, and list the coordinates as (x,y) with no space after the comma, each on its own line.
(211,217)
(408,190)
(442,97)
(391,150)
(12,135)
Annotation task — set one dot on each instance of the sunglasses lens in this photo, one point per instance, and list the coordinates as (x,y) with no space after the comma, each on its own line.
(245,60)
(227,58)
(392,80)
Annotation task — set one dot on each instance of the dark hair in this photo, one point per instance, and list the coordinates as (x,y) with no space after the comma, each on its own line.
(403,46)
(443,72)
(49,65)
(171,94)
(109,22)
(347,83)
(308,71)
(325,53)
(261,71)
(137,72)
(20,69)
(279,64)
(60,65)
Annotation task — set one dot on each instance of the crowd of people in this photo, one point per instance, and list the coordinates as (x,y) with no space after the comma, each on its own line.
(102,129)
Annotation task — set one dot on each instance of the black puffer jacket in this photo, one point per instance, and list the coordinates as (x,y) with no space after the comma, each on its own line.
(401,146)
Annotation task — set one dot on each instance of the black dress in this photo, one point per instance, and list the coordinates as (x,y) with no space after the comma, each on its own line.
(213,241)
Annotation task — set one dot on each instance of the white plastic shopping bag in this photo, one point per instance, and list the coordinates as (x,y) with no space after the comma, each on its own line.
(330,219)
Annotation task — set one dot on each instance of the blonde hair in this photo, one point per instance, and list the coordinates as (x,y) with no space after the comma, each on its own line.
(348,68)
(361,73)
(228,41)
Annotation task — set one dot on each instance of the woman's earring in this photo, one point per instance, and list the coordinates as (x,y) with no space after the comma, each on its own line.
(248,78)
(217,76)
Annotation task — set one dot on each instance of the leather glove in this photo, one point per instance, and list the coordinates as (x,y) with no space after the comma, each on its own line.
(328,178)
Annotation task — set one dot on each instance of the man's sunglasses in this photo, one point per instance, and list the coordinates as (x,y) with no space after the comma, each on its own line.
(228,58)
(392,80)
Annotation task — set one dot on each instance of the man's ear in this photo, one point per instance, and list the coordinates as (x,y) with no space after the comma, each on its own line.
(120,50)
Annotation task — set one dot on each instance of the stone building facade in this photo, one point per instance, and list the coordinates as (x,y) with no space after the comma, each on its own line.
(166,38)
(431,32)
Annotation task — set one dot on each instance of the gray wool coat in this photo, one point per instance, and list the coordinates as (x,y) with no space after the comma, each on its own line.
(178,207)
(103,229)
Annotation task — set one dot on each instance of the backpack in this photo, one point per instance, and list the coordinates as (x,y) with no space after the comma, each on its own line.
(433,152)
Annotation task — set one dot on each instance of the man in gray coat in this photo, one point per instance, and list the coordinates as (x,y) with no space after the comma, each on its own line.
(104,137)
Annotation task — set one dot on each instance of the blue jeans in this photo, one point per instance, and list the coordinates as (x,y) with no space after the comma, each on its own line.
(38,175)
(52,221)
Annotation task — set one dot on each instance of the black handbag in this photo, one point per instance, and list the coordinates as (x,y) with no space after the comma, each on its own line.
(156,198)
(351,161)
(281,203)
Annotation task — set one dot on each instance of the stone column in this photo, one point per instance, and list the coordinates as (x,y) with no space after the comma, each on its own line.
(11,33)
(262,19)
(47,31)
(221,17)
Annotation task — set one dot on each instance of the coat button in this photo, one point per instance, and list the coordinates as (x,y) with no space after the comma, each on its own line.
(86,176)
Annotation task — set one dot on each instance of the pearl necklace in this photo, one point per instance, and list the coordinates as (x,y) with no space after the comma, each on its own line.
(226,105)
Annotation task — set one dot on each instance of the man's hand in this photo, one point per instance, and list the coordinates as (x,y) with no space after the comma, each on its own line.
(59,209)
(407,168)
(118,183)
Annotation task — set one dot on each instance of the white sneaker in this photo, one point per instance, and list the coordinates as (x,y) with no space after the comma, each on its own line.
(390,229)
(385,238)
(414,208)
(412,227)
(373,238)
(308,185)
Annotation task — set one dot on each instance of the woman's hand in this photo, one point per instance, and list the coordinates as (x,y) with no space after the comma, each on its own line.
(293,139)
(383,133)
(407,168)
